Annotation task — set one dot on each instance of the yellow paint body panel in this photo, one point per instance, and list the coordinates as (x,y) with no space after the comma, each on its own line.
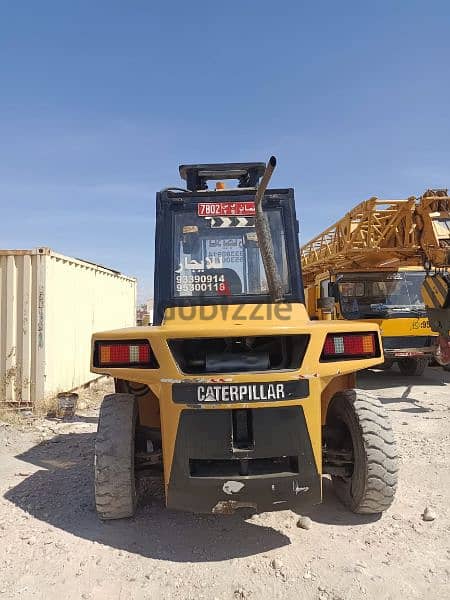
(214,321)
(403,327)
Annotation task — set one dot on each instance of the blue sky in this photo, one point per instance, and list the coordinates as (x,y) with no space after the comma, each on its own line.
(101,101)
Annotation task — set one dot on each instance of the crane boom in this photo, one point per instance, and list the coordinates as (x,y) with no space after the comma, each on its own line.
(380,233)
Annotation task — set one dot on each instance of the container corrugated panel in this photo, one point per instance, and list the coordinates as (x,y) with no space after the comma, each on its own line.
(50,305)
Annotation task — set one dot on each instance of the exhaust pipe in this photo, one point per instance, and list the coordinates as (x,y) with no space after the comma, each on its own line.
(264,236)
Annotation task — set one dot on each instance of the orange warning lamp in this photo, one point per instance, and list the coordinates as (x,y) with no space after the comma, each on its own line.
(220,185)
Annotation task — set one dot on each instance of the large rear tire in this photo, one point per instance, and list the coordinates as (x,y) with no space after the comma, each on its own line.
(361,425)
(412,366)
(115,486)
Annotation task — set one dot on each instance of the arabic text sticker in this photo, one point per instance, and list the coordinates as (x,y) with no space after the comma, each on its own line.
(225,209)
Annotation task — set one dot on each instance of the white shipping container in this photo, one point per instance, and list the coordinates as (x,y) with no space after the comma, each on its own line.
(50,305)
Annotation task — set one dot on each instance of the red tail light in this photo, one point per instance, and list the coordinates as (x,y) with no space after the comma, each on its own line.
(350,345)
(124,354)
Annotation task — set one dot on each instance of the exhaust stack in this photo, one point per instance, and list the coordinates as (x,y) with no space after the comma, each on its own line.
(265,238)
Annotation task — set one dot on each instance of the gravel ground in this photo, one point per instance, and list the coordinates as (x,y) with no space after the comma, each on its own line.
(53,546)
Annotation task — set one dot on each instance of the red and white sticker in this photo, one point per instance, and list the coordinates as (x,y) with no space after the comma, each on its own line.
(225,209)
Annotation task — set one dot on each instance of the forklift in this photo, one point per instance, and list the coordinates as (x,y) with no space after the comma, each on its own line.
(234,398)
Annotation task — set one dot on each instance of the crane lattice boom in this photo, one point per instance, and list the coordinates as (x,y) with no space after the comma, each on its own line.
(383,233)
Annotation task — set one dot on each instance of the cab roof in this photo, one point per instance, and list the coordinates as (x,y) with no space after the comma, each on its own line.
(197,175)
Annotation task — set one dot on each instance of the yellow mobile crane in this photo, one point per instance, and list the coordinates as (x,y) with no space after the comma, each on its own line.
(386,261)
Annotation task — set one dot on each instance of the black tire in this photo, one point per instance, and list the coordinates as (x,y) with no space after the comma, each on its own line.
(115,485)
(412,366)
(363,426)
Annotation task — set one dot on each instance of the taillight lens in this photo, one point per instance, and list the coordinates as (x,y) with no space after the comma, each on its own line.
(124,354)
(350,345)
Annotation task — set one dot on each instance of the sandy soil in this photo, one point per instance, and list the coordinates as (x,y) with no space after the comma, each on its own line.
(53,546)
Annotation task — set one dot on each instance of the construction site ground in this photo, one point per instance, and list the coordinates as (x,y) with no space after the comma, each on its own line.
(53,546)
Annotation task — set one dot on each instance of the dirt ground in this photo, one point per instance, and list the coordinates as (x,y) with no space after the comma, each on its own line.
(53,546)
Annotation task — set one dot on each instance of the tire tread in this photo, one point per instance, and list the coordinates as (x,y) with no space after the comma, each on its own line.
(381,459)
(115,493)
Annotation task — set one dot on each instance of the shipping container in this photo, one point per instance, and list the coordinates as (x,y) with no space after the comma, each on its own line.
(50,305)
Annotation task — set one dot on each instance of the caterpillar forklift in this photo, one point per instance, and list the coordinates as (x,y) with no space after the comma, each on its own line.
(234,397)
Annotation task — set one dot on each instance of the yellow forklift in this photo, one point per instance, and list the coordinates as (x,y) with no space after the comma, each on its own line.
(234,397)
